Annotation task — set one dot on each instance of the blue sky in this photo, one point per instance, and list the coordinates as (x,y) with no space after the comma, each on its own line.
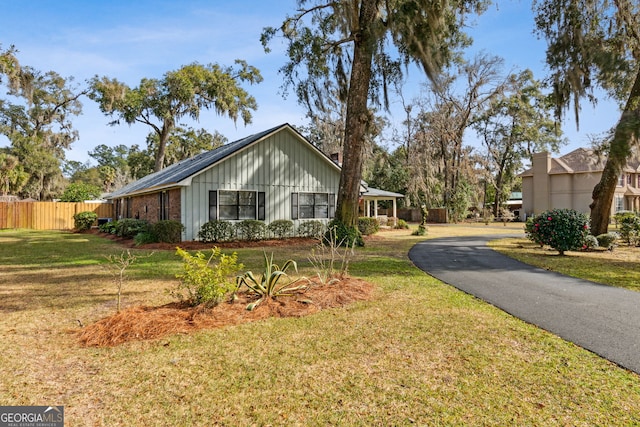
(130,40)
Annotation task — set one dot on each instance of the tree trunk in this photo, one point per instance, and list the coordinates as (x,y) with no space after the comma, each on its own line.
(357,118)
(625,135)
(163,137)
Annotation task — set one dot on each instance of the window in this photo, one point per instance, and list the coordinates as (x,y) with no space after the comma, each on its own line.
(236,205)
(619,202)
(163,202)
(629,177)
(621,181)
(312,205)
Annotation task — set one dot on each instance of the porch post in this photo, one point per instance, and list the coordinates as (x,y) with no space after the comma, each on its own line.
(395,214)
(375,208)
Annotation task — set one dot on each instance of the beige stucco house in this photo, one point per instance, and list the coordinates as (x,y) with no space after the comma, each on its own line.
(568,182)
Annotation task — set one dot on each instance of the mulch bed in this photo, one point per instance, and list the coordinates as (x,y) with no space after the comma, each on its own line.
(195,245)
(146,323)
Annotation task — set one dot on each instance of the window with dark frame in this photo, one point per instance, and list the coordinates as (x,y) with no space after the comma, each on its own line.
(236,205)
(163,202)
(312,205)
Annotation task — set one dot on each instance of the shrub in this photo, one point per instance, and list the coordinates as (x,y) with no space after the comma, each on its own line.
(216,231)
(206,280)
(590,242)
(251,229)
(144,238)
(402,225)
(530,231)
(168,231)
(108,227)
(267,286)
(607,240)
(349,236)
(420,231)
(281,228)
(84,220)
(368,226)
(629,226)
(561,229)
(129,227)
(313,228)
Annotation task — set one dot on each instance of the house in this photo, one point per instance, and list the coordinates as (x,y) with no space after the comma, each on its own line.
(568,182)
(275,174)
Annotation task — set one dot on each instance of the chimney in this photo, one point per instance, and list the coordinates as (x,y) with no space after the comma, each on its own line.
(336,158)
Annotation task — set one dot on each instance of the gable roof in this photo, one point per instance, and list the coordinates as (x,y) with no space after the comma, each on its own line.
(180,174)
(583,160)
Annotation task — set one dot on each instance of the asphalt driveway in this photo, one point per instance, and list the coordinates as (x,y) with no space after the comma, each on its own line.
(600,318)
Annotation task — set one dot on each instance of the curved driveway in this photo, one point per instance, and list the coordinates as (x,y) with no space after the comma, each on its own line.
(602,319)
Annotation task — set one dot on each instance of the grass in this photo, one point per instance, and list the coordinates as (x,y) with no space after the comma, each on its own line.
(422,353)
(615,268)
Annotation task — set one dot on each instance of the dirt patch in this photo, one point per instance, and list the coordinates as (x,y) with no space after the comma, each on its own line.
(145,323)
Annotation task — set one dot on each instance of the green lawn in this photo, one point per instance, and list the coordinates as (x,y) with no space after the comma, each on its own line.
(421,353)
(619,267)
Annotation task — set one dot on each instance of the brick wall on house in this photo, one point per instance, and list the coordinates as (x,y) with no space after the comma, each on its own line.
(174,205)
(147,206)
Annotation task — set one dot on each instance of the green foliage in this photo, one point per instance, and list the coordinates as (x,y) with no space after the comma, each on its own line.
(206,280)
(108,227)
(267,285)
(340,232)
(129,227)
(144,238)
(281,228)
(168,231)
(312,228)
(12,174)
(459,202)
(368,226)
(402,225)
(590,242)
(216,231)
(84,220)
(420,231)
(251,229)
(161,103)
(561,229)
(608,240)
(628,226)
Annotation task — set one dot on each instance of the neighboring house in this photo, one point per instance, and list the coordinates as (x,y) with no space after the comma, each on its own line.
(568,182)
(272,175)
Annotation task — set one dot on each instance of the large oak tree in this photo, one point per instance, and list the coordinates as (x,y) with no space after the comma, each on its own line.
(595,44)
(37,120)
(361,46)
(160,104)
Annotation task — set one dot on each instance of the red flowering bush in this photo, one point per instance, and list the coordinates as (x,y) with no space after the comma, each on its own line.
(561,229)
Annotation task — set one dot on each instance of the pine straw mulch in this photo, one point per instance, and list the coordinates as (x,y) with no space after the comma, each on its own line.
(147,323)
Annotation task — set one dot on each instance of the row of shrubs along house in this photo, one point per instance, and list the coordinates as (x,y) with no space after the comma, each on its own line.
(273,175)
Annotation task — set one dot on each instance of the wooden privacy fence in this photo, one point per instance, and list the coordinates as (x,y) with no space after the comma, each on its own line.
(47,215)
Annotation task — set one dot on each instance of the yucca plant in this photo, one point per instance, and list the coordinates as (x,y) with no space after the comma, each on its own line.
(274,281)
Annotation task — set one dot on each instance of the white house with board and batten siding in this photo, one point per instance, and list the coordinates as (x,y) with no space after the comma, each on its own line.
(272,175)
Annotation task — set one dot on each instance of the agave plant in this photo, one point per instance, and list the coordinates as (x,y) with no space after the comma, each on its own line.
(274,281)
